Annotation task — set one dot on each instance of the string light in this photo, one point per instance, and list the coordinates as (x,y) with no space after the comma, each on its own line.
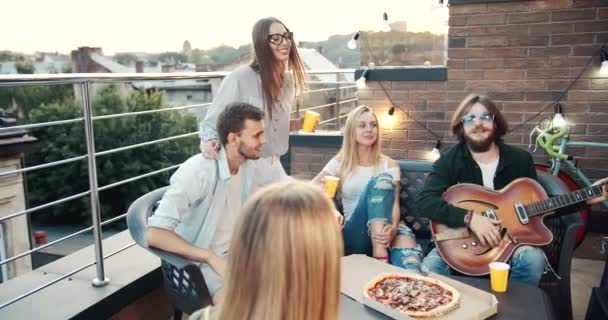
(604,59)
(435,154)
(386,27)
(361,81)
(352,43)
(388,119)
(558,119)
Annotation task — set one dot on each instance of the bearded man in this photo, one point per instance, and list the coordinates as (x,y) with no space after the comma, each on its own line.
(481,157)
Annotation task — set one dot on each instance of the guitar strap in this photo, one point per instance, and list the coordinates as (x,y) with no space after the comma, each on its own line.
(452,234)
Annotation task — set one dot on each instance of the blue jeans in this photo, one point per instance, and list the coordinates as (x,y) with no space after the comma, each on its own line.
(376,205)
(527,264)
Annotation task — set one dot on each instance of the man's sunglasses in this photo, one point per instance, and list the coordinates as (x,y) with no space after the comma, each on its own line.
(277,38)
(484,117)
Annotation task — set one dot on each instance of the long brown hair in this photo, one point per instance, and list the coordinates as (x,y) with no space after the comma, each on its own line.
(273,74)
(500,124)
(347,155)
(284,260)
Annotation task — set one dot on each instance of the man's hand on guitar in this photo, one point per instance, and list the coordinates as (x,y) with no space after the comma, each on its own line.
(485,229)
(604,196)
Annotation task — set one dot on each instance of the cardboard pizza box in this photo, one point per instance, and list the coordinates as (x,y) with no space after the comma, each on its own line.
(359,270)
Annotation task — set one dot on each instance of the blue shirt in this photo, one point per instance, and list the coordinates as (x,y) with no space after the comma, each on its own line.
(196,198)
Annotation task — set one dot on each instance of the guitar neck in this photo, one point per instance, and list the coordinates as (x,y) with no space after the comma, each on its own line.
(564,200)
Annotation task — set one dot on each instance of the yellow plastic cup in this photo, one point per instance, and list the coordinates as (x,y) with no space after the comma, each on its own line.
(311,119)
(331,186)
(499,276)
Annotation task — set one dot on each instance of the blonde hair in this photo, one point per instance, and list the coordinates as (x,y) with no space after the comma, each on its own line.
(347,155)
(284,260)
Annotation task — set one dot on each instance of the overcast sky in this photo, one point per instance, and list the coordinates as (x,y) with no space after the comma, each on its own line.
(136,25)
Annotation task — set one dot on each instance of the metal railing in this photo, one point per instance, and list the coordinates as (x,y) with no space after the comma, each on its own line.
(83,82)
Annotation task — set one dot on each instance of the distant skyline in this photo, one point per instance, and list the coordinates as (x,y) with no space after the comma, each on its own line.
(144,26)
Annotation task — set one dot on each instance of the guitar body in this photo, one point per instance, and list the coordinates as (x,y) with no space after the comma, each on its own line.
(463,252)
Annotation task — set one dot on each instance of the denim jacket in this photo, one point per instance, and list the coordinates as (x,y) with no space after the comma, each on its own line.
(196,197)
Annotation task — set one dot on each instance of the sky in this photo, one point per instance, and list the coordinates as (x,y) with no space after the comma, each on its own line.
(148,26)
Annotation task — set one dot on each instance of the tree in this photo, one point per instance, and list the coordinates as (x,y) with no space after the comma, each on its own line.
(172,57)
(25,68)
(6,55)
(27,98)
(126,59)
(66,141)
(199,57)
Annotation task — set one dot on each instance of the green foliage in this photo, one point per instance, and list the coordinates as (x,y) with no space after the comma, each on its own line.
(66,141)
(172,57)
(6,55)
(25,67)
(28,98)
(126,59)
(224,55)
(198,56)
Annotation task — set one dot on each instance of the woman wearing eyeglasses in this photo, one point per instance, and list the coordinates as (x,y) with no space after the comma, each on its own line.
(271,81)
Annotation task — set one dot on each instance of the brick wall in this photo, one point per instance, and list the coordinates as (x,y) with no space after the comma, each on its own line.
(307,161)
(522,54)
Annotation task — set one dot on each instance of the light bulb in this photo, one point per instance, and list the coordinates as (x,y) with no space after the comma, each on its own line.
(388,121)
(385,26)
(360,83)
(604,69)
(559,121)
(388,118)
(352,44)
(435,154)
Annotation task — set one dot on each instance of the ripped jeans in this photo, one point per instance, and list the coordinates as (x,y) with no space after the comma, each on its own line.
(527,264)
(376,204)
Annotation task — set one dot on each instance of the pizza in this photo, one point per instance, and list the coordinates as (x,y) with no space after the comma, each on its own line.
(413,295)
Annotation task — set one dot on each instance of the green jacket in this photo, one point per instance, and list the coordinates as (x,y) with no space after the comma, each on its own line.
(456,165)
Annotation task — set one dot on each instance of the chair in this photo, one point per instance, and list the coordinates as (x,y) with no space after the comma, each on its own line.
(564,226)
(183,280)
(598,302)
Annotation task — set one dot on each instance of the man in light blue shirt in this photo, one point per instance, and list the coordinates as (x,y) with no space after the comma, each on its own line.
(196,215)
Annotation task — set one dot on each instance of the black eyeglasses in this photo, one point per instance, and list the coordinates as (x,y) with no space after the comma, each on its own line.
(277,38)
(484,117)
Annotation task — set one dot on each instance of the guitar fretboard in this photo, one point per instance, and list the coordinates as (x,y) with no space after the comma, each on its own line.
(564,200)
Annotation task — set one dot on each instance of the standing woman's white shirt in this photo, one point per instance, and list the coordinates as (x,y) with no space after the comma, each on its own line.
(245,85)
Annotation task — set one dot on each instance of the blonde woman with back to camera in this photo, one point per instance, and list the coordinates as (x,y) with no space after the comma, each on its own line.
(284,261)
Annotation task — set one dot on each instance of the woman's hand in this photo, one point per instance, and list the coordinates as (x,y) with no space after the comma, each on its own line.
(385,236)
(210,149)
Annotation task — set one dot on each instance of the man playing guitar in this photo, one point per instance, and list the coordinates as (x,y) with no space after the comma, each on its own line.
(482,158)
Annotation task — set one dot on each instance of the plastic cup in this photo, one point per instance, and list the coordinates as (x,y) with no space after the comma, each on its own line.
(499,276)
(339,217)
(311,119)
(331,186)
